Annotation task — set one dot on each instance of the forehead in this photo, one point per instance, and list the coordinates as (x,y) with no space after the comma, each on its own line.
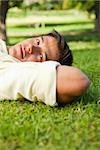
(50,40)
(51,45)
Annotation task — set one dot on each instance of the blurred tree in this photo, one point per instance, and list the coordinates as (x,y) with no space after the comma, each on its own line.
(91,6)
(3,12)
(97,14)
(65,4)
(4,6)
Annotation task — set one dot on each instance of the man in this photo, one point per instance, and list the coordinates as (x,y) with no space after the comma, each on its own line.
(49,81)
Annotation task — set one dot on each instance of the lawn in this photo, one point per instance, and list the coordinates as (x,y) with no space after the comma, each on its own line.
(76,126)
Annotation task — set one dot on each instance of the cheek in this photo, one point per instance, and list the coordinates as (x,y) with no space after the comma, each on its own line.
(32,58)
(12,51)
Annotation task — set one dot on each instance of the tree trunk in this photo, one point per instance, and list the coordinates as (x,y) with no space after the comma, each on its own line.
(65,4)
(3,14)
(97,13)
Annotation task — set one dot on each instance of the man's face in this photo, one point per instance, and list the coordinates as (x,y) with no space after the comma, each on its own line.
(37,49)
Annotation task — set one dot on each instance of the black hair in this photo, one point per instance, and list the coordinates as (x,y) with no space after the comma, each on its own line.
(66,57)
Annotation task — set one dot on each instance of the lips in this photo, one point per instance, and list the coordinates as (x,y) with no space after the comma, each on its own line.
(23,51)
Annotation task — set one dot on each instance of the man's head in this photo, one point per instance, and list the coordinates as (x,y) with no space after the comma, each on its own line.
(66,57)
(51,46)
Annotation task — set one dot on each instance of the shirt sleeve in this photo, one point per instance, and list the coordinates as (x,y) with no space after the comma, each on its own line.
(30,80)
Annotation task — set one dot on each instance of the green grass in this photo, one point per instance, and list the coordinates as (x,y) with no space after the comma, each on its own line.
(35,126)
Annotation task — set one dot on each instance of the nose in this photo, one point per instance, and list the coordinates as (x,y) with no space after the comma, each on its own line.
(30,50)
(36,54)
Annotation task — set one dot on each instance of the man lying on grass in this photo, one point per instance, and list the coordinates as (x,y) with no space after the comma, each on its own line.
(40,68)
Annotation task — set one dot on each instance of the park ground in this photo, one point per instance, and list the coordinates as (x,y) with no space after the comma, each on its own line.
(76,126)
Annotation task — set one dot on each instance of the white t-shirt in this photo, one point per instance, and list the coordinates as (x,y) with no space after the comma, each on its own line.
(30,80)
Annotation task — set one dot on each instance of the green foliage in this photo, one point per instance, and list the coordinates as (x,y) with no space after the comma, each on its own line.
(79,4)
(54,4)
(40,5)
(15,3)
(86,5)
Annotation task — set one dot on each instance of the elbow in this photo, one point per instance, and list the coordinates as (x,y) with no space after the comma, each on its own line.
(71,82)
(83,85)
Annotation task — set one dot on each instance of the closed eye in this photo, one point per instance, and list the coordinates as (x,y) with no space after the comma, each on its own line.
(41,58)
(46,57)
(37,41)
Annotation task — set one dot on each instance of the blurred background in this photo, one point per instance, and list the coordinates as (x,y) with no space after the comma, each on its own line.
(20,19)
